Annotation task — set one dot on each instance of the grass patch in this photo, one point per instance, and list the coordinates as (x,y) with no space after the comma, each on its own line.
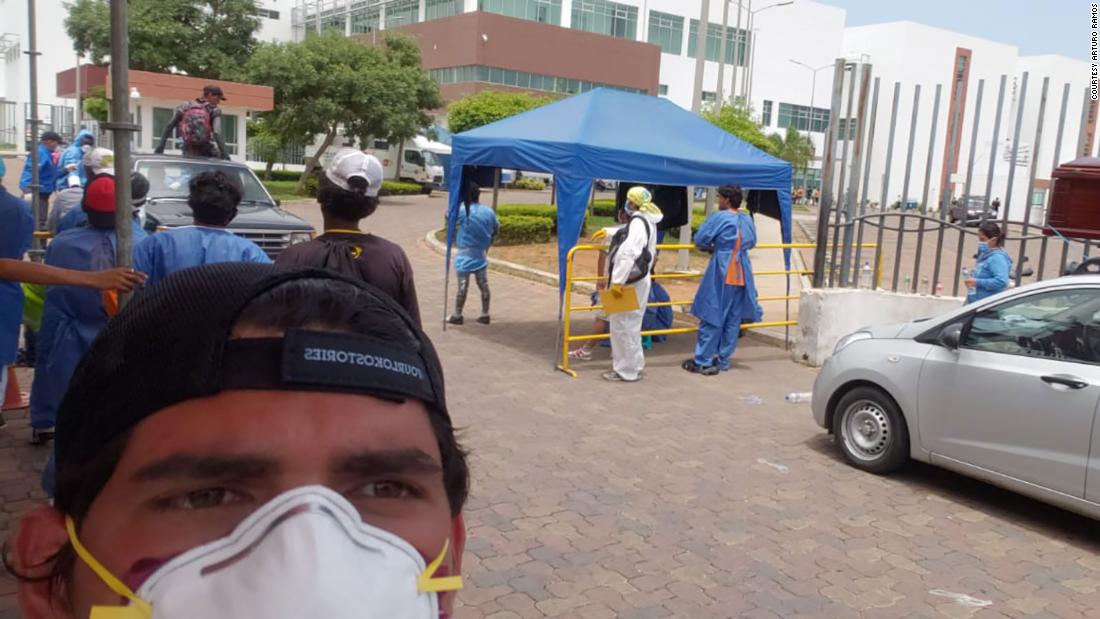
(283,190)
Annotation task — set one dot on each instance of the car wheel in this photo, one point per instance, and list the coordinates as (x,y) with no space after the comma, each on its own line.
(871,431)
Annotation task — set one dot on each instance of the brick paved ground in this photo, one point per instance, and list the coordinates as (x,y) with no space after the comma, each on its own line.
(686,496)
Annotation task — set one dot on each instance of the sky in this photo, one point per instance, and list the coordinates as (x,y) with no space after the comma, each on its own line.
(1035,27)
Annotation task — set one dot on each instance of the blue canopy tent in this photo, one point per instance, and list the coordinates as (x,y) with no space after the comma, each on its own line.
(612,134)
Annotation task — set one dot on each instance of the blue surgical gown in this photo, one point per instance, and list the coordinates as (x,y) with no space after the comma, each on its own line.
(475,235)
(72,317)
(715,301)
(16,233)
(164,253)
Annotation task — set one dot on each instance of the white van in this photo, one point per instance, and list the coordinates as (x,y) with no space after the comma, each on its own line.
(418,164)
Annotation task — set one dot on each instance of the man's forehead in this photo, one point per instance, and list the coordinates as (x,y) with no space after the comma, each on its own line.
(282,424)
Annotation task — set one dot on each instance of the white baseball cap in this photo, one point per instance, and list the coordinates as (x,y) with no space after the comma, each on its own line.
(350,163)
(100,160)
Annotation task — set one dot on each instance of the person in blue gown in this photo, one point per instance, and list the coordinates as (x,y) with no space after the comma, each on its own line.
(727,295)
(477,227)
(213,199)
(73,316)
(16,233)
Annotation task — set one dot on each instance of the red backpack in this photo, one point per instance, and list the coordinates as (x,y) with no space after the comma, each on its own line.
(197,126)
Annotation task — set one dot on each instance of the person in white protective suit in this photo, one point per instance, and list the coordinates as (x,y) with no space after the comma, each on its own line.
(631,260)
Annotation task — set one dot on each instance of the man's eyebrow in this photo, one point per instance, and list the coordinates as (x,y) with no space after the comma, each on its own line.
(375,462)
(185,466)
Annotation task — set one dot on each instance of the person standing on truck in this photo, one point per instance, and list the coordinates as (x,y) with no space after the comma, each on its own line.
(196,121)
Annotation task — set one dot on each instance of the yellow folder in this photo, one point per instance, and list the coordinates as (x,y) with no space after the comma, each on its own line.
(626,303)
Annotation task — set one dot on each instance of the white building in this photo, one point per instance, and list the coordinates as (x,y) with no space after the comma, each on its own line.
(914,54)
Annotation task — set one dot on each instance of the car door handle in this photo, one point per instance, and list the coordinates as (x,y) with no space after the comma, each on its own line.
(1065,380)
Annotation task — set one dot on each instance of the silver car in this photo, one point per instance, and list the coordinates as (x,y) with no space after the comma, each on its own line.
(1005,390)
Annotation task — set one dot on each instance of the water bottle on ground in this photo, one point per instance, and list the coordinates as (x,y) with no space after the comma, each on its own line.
(865,275)
(795,397)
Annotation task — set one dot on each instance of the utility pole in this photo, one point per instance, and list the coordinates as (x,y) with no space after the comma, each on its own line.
(721,90)
(121,128)
(36,182)
(738,54)
(683,257)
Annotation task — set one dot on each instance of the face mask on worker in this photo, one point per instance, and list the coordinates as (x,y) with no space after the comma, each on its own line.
(983,247)
(86,148)
(306,553)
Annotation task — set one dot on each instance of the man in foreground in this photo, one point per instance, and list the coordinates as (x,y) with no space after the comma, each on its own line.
(292,457)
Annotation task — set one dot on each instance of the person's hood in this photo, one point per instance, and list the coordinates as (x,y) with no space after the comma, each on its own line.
(80,136)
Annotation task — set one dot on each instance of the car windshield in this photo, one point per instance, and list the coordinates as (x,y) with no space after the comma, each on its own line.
(169,179)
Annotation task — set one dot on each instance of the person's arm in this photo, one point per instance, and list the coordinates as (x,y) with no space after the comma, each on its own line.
(704,236)
(168,131)
(601,270)
(34,273)
(999,267)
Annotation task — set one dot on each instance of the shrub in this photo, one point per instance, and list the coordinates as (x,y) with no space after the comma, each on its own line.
(533,184)
(524,230)
(544,211)
(279,175)
(603,207)
(398,188)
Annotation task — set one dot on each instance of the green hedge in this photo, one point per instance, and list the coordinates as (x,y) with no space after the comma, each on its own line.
(398,188)
(524,230)
(544,211)
(279,175)
(526,182)
(284,189)
(603,207)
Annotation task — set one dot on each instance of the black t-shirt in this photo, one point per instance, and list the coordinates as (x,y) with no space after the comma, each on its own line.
(380,263)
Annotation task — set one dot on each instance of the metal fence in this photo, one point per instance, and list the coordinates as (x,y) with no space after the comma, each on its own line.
(289,155)
(16,132)
(923,247)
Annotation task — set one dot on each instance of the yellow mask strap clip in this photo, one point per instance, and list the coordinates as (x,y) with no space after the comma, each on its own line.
(427,584)
(138,608)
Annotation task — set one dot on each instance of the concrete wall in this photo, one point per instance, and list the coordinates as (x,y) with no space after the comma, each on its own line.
(825,316)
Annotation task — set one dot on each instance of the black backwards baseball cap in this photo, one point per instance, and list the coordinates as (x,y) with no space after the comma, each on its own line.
(173,344)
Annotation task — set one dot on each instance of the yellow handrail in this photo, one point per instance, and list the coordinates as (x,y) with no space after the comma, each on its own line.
(568,308)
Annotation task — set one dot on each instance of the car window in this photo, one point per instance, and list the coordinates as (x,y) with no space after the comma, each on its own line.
(169,179)
(1062,324)
(413,156)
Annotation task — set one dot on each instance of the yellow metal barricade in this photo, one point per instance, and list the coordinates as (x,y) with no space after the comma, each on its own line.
(568,308)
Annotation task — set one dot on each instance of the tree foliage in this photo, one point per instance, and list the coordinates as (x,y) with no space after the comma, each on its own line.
(737,119)
(793,147)
(204,38)
(329,84)
(489,106)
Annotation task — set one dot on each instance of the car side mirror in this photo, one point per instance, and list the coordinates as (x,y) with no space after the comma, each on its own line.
(951,336)
(278,202)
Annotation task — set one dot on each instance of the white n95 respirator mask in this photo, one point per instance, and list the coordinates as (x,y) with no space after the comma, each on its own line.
(305,554)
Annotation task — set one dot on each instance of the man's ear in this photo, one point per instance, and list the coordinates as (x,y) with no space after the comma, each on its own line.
(458,542)
(32,552)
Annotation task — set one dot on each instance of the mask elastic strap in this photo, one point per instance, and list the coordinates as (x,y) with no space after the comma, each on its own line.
(427,584)
(140,609)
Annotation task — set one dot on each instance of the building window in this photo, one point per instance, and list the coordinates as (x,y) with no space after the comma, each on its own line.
(846,128)
(810,178)
(735,43)
(709,96)
(365,19)
(803,118)
(438,9)
(161,117)
(666,31)
(603,17)
(268,13)
(542,11)
(766,114)
(519,79)
(401,13)
(662,90)
(229,132)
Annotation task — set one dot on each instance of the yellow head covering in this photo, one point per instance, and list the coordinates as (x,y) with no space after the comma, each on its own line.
(641,198)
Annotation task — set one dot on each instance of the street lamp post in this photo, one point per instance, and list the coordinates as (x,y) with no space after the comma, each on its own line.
(810,116)
(746,89)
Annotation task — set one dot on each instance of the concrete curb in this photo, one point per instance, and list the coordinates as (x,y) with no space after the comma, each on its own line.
(773,336)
